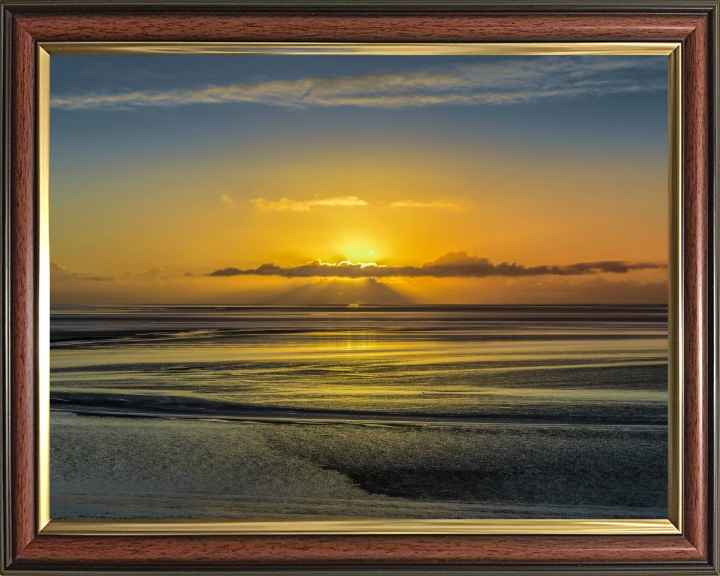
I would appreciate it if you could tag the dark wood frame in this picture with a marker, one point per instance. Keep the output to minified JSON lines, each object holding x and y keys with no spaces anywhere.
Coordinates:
{"x":694,"y":23}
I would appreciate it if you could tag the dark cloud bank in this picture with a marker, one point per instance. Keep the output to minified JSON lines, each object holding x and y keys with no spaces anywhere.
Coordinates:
{"x":451,"y":265}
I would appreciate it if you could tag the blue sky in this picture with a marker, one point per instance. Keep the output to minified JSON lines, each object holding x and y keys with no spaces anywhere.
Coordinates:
{"x":625,"y":120}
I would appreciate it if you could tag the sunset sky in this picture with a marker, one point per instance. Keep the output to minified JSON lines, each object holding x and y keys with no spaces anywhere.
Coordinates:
{"x":251,"y":179}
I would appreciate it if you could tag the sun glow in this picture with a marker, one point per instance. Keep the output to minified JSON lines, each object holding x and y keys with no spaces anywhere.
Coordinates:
{"x":348,"y":263}
{"x":357,"y":250}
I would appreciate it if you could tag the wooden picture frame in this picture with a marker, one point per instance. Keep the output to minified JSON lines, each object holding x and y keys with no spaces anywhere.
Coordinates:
{"x":28,"y":547}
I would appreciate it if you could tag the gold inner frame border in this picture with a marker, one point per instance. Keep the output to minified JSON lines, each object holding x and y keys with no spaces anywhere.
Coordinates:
{"x":671,"y":525}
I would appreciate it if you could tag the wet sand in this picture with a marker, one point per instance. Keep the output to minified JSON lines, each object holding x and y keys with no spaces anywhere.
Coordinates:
{"x":402,"y":412}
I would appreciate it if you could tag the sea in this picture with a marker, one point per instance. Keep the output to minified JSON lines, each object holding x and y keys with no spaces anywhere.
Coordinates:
{"x":358,"y":412}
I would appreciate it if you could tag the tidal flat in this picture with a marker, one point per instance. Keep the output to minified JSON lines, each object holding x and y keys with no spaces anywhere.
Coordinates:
{"x":359,"y":412}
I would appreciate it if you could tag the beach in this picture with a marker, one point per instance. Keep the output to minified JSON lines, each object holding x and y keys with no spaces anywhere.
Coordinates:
{"x":359,"y":412}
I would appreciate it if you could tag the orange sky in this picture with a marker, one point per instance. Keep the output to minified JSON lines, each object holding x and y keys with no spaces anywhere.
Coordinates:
{"x":148,"y":228}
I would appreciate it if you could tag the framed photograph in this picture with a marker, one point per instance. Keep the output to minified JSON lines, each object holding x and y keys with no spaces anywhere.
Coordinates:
{"x":359,"y":288}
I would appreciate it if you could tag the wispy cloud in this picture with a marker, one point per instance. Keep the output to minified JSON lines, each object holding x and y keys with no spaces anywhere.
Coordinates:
{"x":451,"y":265}
{"x":305,"y":205}
{"x":506,"y":81}
{"x":446,"y":204}
{"x":228,"y":201}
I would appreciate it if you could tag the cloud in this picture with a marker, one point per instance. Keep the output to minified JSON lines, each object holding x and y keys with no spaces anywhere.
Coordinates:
{"x":451,"y":265}
{"x":150,"y":275}
{"x":498,"y":82}
{"x":286,"y":204}
{"x":446,"y":204}
{"x":61,"y":274}
{"x":305,"y":205}
{"x":229,"y":201}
